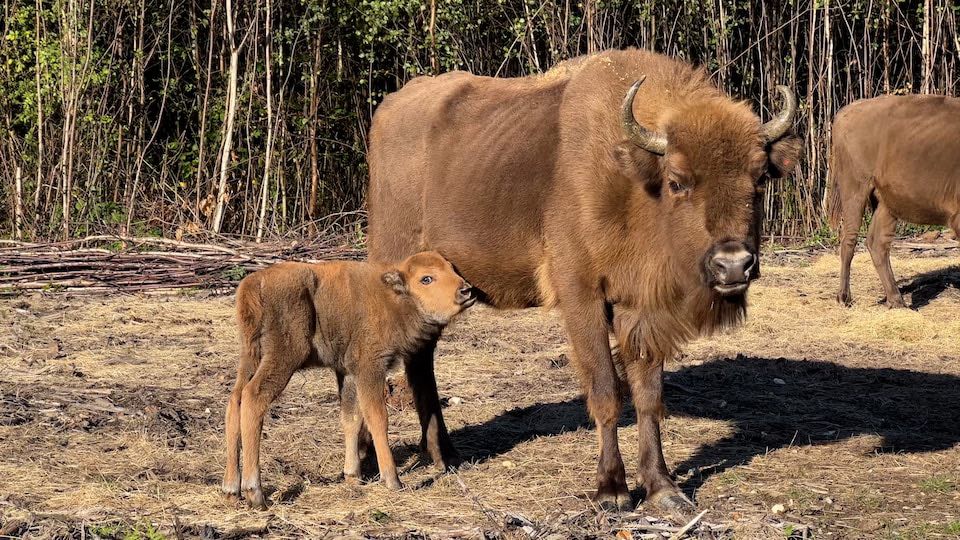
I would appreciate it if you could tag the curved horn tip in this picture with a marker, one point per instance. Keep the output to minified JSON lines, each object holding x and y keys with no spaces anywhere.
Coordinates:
{"x":783,"y":121}
{"x":650,"y":141}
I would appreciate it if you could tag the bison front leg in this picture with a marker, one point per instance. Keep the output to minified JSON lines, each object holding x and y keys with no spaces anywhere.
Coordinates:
{"x":586,"y":325}
{"x":644,"y":371}
{"x":646,"y":384}
{"x":435,"y":440}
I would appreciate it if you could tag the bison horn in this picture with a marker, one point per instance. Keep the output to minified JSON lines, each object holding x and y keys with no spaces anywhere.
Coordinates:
{"x":778,"y":127}
{"x":639,"y":135}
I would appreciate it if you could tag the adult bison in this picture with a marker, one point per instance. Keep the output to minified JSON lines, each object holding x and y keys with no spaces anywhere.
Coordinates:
{"x":633,"y":209}
{"x":902,"y":154}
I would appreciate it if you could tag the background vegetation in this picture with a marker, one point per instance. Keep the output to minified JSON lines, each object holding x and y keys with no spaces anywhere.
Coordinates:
{"x":178,"y":116}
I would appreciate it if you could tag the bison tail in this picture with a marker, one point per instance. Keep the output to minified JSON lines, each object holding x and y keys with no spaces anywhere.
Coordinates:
{"x":249,"y":319}
{"x":834,"y":203}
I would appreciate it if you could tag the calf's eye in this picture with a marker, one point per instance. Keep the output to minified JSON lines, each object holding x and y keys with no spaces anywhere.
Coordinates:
{"x":675,"y":187}
{"x":426,"y":280}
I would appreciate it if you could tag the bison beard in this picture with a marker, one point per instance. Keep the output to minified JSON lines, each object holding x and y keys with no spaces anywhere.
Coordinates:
{"x":631,"y":209}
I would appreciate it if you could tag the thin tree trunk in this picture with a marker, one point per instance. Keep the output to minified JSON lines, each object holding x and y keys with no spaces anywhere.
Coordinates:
{"x":39,"y":89}
{"x":434,"y":69}
{"x":231,"y":105}
{"x":268,"y":158}
{"x":200,"y":183}
{"x":926,"y":50}
{"x":314,"y":121}
{"x":17,"y":205}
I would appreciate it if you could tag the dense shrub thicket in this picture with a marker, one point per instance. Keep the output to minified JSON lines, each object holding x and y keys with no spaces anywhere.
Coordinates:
{"x":149,"y":116}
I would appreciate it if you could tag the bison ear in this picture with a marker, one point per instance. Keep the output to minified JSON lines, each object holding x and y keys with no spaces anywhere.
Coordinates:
{"x":639,"y":165}
{"x":784,"y":155}
{"x":395,"y":280}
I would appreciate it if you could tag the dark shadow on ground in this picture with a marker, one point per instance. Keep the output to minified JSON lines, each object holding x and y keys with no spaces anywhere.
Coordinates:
{"x":927,"y":286}
{"x":820,"y":403}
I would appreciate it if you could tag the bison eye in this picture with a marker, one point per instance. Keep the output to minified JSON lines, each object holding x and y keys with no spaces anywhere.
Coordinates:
{"x":676,"y":188}
{"x":426,"y":280}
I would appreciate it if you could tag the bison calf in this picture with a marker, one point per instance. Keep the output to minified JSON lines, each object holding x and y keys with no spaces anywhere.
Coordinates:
{"x":358,"y":319}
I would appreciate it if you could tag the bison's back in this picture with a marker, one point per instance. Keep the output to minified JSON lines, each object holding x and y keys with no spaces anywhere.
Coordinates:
{"x":908,"y":148}
{"x":463,"y":165}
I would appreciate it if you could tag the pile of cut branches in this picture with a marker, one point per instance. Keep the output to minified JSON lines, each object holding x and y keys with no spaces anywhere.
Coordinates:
{"x":98,"y":264}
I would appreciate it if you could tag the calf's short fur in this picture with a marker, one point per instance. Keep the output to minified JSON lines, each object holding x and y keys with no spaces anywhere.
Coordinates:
{"x":358,"y":319}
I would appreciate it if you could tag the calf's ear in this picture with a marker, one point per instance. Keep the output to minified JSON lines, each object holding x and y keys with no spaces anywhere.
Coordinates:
{"x":783,"y":156}
{"x":396,"y":281}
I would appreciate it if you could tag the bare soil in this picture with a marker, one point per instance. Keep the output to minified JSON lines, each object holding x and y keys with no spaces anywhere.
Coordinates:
{"x":812,"y":420}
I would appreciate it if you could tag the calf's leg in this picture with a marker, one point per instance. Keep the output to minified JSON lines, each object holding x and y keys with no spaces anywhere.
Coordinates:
{"x":373,"y":406}
{"x":267,"y":383}
{"x":231,"y":477}
{"x":352,"y":421}
{"x":434,"y":440}
{"x":249,"y":358}
{"x":879,"y":238}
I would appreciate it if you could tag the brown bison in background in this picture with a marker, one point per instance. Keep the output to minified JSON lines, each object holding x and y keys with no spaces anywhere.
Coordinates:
{"x":902,"y":154}
{"x":632,"y":209}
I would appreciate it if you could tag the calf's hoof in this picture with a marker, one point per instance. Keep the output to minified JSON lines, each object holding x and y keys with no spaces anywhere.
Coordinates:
{"x":674,"y":503}
{"x":614,"y":501}
{"x":230,"y":492}
{"x":845,"y":299}
{"x":256,"y":499}
{"x":393,"y":483}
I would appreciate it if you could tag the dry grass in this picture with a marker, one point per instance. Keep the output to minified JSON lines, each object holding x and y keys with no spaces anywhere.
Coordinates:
{"x":111,"y":417}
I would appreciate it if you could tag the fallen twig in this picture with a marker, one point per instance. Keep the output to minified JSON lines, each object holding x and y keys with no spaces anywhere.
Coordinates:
{"x":691,"y":524}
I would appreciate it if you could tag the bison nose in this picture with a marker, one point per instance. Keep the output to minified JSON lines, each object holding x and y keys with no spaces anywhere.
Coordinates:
{"x":732,"y":268}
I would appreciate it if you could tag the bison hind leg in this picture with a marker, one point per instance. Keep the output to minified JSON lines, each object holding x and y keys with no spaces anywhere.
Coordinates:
{"x":880,"y":236}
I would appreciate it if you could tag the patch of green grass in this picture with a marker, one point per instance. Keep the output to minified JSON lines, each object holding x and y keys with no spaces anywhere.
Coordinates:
{"x":118,"y":531}
{"x":869,"y":501}
{"x":912,"y":229}
{"x":914,"y":532}
{"x":800,"y":499}
{"x":359,"y":239}
{"x":104,"y":531}
{"x":378,"y":516}
{"x":729,"y":478}
{"x":144,"y":230}
{"x":235,"y":273}
{"x":824,"y":236}
{"x":936,"y":484}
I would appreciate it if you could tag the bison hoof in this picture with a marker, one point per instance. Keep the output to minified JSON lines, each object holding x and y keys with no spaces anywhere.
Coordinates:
{"x":447,"y":460}
{"x":614,"y":502}
{"x":896,"y":303}
{"x":674,"y":503}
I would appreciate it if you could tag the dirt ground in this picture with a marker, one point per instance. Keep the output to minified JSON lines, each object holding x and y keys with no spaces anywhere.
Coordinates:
{"x":811,"y":421}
